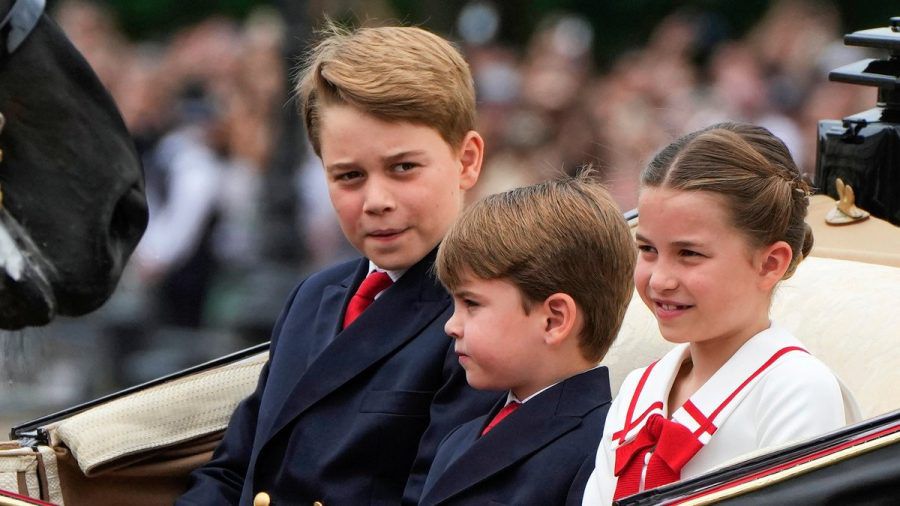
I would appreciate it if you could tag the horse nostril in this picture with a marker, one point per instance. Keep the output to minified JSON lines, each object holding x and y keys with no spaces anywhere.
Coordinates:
{"x":128,"y":221}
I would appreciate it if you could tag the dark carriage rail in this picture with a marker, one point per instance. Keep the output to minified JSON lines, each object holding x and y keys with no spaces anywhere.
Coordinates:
{"x":875,"y":427}
{"x":31,"y":430}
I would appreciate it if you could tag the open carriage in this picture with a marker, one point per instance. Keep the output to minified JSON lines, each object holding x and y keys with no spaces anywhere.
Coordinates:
{"x":138,"y":446}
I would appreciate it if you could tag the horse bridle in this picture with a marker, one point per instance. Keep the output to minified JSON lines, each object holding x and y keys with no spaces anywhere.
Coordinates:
{"x":18,"y":23}
{"x":21,"y":19}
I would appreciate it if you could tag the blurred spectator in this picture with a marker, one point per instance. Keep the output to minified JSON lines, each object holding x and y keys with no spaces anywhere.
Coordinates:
{"x":183,"y":175}
{"x":92,"y":29}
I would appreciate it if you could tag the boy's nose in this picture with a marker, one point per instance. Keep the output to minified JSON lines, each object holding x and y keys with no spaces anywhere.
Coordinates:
{"x":379,"y":199}
{"x":452,"y":328}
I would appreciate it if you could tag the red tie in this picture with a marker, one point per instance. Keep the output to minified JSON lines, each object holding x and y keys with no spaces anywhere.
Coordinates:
{"x":503,"y":413}
{"x":374,"y":283}
{"x":670,"y":445}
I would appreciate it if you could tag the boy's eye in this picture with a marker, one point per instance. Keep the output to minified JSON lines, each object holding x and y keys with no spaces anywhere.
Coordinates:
{"x":645,"y":248}
{"x":469,"y":303}
{"x":404,"y":166}
{"x":348,"y":176}
{"x":690,"y":253}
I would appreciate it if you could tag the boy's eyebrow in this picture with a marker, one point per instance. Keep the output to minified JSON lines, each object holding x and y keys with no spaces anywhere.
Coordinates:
{"x":340,"y":166}
{"x":402,"y":154}
{"x":393,"y":158}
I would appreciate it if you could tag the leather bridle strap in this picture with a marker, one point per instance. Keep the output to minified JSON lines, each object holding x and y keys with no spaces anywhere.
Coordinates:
{"x":21,"y":19}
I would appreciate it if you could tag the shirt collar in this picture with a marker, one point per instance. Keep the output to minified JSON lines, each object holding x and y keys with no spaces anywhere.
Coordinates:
{"x":510,"y":397}
{"x":394,"y":275}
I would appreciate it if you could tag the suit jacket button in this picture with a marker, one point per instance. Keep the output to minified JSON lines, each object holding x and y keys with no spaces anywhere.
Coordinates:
{"x":261,"y":499}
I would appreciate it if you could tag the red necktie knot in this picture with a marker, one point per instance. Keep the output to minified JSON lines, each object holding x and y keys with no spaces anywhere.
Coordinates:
{"x":503,"y":413}
{"x":375,"y":283}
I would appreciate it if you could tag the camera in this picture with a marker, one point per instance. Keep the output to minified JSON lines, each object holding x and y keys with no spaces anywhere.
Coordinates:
{"x":863,"y":150}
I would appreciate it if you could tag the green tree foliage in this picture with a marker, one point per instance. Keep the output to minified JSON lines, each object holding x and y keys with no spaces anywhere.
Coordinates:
{"x":141,"y":19}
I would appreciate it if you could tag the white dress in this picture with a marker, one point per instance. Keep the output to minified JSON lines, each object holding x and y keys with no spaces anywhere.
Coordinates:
{"x":769,"y":393}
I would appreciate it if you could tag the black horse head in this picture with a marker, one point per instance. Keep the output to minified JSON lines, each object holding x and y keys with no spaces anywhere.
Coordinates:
{"x":72,"y":204}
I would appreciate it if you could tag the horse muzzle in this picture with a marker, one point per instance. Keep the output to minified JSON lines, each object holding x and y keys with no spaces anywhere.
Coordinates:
{"x":26,"y":294}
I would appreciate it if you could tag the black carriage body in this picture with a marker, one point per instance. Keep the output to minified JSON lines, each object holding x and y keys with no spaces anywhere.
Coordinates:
{"x":859,"y":464}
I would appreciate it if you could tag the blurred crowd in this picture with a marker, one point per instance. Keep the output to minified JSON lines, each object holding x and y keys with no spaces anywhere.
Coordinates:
{"x":546,"y":107}
{"x":207,"y":105}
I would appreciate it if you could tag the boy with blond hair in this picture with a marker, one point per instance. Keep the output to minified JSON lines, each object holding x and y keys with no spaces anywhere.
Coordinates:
{"x":361,"y":382}
{"x":540,"y":278}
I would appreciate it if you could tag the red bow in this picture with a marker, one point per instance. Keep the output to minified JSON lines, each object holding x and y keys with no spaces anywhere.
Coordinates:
{"x":670,"y":446}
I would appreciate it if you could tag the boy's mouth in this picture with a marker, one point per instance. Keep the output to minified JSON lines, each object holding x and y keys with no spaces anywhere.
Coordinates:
{"x":386,"y":234}
{"x":670,"y":309}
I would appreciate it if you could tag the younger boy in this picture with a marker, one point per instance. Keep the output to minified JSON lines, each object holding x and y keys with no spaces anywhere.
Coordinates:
{"x":361,"y":382}
{"x":540,"y":277}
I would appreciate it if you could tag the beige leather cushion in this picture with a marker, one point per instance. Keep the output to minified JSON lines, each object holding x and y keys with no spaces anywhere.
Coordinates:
{"x":150,"y":478}
{"x":29,"y":472}
{"x":161,"y":416}
{"x":846,"y":313}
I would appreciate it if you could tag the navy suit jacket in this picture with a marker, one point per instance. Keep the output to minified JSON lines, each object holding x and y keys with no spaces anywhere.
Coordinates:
{"x":349,"y":416}
{"x":541,"y":454}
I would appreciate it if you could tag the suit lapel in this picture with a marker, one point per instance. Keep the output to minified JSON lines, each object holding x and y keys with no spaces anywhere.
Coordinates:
{"x":328,"y":319}
{"x":535,"y":425}
{"x":395,"y":318}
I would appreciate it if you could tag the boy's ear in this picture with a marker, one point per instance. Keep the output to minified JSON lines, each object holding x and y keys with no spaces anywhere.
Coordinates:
{"x":774,"y":262}
{"x":561,"y":317}
{"x":471,"y":154}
